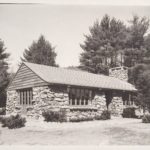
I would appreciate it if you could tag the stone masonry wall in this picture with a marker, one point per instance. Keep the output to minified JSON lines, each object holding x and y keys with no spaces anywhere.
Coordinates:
{"x":116,"y":106}
{"x":81,"y":113}
{"x":53,"y":98}
{"x":12,"y":102}
{"x":119,"y":72}
{"x":100,"y":102}
{"x":43,"y":98}
{"x":96,"y":107}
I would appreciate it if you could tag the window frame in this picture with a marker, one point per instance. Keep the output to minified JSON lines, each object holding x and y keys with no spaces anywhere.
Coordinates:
{"x":80,"y":96}
{"x":25,"y":96}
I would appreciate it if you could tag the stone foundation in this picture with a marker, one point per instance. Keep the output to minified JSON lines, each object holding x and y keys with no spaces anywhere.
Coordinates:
{"x":81,"y":113}
{"x":97,"y":106}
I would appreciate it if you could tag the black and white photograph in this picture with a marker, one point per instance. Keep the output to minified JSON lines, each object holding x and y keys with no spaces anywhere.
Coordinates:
{"x":74,"y":73}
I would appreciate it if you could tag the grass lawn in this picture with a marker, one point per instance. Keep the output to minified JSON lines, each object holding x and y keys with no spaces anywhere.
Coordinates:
{"x":117,"y":131}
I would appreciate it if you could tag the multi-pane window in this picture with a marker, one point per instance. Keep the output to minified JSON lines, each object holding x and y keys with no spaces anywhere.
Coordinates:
{"x":79,"y":96}
{"x":25,"y":96}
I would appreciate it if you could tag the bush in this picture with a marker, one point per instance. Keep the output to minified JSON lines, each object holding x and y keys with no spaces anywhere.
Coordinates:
{"x":104,"y":116}
{"x":2,"y":111}
{"x":13,"y":122}
{"x":146,"y":119}
{"x":1,"y":119}
{"x":54,"y":116}
{"x":129,"y":113}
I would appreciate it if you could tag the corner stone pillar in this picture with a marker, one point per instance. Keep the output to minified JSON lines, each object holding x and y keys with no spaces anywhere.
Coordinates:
{"x":100,"y":102}
{"x":116,"y":106}
{"x":12,"y":102}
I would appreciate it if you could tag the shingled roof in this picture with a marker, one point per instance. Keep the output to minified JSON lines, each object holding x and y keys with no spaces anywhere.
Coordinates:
{"x":63,"y":76}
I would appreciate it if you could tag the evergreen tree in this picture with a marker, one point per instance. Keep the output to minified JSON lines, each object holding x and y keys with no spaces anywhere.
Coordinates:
{"x":101,"y":47}
{"x":137,"y":56}
{"x":136,"y":51}
{"x":139,"y":75}
{"x":134,"y":56}
{"x":147,"y":46}
{"x":147,"y":43}
{"x":4,"y":77}
{"x":40,"y":52}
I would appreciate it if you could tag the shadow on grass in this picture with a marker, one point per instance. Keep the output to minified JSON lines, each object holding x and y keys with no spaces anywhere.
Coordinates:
{"x":122,"y":136}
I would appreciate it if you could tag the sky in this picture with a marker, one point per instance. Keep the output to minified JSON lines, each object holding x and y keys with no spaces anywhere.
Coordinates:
{"x":63,"y":26}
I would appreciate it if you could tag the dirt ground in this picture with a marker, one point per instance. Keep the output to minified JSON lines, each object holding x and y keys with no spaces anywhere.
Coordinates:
{"x":117,"y":131}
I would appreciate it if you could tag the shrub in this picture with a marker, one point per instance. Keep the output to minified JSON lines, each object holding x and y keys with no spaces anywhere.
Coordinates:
{"x":2,"y":111}
{"x":1,"y":119}
{"x":104,"y":116}
{"x":62,"y":115}
{"x":54,"y":116}
{"x":146,"y":118}
{"x":14,"y":121}
{"x":129,"y":112}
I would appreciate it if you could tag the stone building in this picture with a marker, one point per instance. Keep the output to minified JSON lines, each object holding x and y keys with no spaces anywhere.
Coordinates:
{"x":36,"y":88}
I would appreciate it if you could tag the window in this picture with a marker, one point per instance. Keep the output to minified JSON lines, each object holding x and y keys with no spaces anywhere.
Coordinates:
{"x":79,"y":96}
{"x":25,"y":96}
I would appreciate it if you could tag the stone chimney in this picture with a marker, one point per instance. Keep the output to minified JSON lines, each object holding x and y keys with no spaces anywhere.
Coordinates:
{"x":119,"y":72}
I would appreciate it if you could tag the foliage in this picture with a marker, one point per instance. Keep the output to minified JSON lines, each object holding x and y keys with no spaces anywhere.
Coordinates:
{"x":111,"y":43}
{"x":147,"y":43}
{"x":147,"y":46}
{"x":129,"y":112}
{"x":1,"y":119}
{"x":54,"y":116}
{"x":77,"y":68}
{"x":135,"y":51}
{"x":4,"y":77}
{"x":14,"y":121}
{"x":104,"y":116}
{"x":146,"y":118}
{"x":138,"y":28}
{"x":40,"y":52}
{"x":133,"y":56}
{"x":100,"y":48}
{"x":2,"y":111}
{"x":140,"y":77}
{"x":136,"y":72}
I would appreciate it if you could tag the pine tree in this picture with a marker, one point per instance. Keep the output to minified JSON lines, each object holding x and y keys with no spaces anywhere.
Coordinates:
{"x":40,"y":52}
{"x":101,"y":47}
{"x":135,"y":51}
{"x":4,"y":77}
{"x":147,"y":47}
{"x":139,"y":75}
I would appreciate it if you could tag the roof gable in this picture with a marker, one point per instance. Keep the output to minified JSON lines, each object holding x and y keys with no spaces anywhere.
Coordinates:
{"x":25,"y":78}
